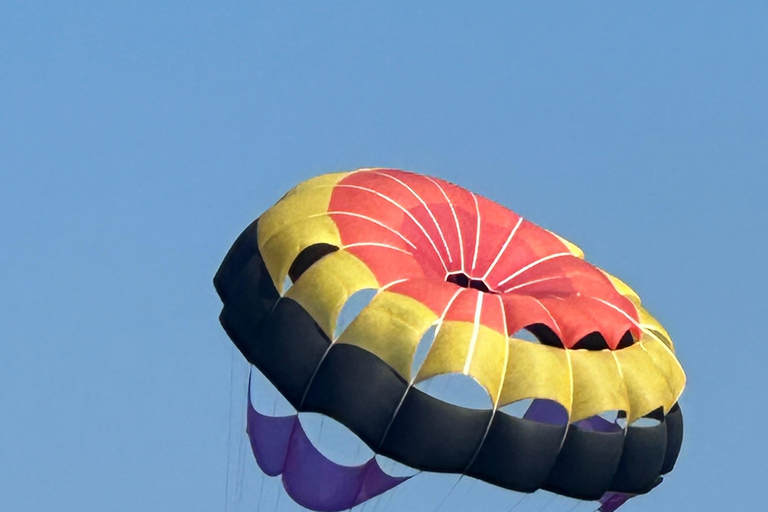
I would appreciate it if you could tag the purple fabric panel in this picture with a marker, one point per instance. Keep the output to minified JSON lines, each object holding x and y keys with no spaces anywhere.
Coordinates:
{"x":597,"y":424}
{"x":546,"y":411}
{"x":280,"y":446}
{"x":376,"y":481}
{"x":270,"y":438}
{"x":613,"y":500}
{"x":317,"y":483}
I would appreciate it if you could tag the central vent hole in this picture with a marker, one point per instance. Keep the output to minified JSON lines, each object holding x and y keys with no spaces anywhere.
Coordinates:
{"x":463,"y":280}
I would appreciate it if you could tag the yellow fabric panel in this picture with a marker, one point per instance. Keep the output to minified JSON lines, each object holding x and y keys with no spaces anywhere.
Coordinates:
{"x":452,"y":346}
{"x":391,"y":327}
{"x":280,"y":250}
{"x":488,"y":362}
{"x":536,"y":371}
{"x":448,"y":353}
{"x":647,"y":388}
{"x":325,"y":287}
{"x":653,"y":328}
{"x":623,"y":288}
{"x":668,"y":366}
{"x":597,"y":384}
{"x":572,"y":248}
{"x":293,"y":224}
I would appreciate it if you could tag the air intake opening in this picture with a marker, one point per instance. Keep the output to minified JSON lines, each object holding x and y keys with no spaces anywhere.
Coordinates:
{"x":463,"y":280}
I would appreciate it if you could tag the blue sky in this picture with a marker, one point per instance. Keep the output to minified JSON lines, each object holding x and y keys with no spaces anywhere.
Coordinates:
{"x":138,"y":139}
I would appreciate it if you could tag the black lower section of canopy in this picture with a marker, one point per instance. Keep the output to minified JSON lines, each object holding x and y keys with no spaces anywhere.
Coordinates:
{"x":362,"y":392}
{"x":518,"y":454}
{"x":358,"y":389}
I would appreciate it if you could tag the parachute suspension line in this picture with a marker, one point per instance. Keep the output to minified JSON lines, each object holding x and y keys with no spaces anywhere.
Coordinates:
{"x":262,"y":477}
{"x":575,"y":506}
{"x":383,"y":500}
{"x":449,"y":493}
{"x":229,"y":426}
{"x":548,"y":503}
{"x":277,"y":500}
{"x":518,"y":502}
{"x":240,"y":466}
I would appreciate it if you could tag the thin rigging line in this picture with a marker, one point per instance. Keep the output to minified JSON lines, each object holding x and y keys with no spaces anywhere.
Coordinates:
{"x":449,"y":493}
{"x":548,"y":503}
{"x":229,"y":430}
{"x":518,"y":502}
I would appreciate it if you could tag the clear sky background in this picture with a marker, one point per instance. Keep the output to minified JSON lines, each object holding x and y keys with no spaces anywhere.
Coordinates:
{"x":137,"y":139}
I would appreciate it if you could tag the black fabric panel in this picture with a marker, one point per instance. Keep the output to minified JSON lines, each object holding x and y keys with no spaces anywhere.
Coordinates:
{"x":358,"y":389}
{"x":433,"y":435}
{"x":586,"y":464}
{"x":518,"y":454}
{"x":287,"y":347}
{"x":244,"y":248}
{"x":674,"y":422}
{"x":245,"y":287}
{"x":641,"y":460}
{"x":250,"y":299}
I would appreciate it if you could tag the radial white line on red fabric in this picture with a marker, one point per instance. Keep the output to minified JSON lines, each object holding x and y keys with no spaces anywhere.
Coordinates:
{"x":455,"y":219}
{"x":531,"y":265}
{"x":424,"y":204}
{"x":617,"y":308}
{"x":410,"y":216}
{"x":535,"y":281}
{"x":503,"y":248}
{"x":370,"y":219}
{"x":376,"y":244}
{"x":477,"y":231}
{"x":557,"y":326}
{"x":475,"y":332}
{"x":393,"y":283}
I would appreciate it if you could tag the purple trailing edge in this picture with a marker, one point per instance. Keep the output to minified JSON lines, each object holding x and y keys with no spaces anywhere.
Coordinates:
{"x":281,"y":447}
{"x":613,"y":500}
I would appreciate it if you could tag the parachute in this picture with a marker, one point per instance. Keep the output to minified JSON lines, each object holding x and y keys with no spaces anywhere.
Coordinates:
{"x":581,"y":383}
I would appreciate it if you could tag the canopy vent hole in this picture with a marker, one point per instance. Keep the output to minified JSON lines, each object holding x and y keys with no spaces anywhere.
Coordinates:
{"x":265,"y":397}
{"x":334,"y":440}
{"x":545,"y":335}
{"x":308,"y":257}
{"x":457,"y":389}
{"x":394,"y":468}
{"x":606,"y":421}
{"x":537,"y":409}
{"x":425,"y":343}
{"x":463,"y":280}
{"x":356,"y":303}
{"x":525,"y":335}
{"x":652,"y":419}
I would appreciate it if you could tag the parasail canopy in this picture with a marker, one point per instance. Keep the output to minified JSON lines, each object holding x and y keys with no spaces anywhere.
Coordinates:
{"x":453,"y":280}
